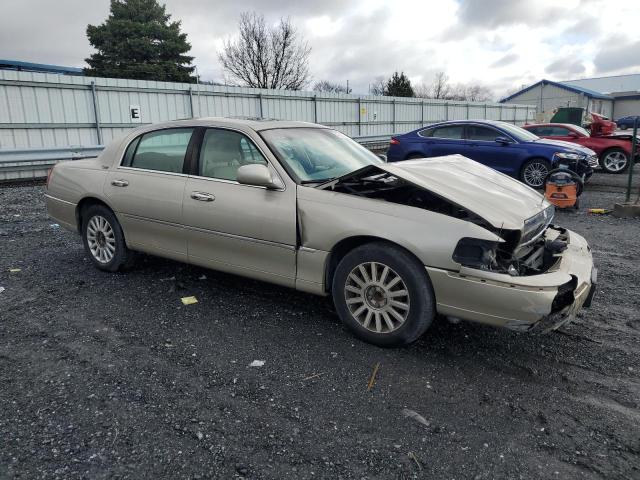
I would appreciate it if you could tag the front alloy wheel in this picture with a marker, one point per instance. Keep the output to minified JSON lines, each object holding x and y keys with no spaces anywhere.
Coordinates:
{"x":383,"y":294}
{"x":614,"y":161}
{"x":377,"y":297}
{"x":535,"y":173}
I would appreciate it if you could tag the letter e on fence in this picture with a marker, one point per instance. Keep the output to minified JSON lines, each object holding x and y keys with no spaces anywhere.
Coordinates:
{"x":134,"y":114}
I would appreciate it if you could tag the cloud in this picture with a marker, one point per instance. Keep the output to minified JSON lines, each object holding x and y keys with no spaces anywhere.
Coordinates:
{"x":497,"y":13}
{"x":500,"y":43}
{"x":619,"y":54}
{"x":565,"y":67}
{"x":508,"y":59}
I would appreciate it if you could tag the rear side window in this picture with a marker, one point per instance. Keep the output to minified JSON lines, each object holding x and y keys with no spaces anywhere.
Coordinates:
{"x":535,"y":130}
{"x":452,"y":132}
{"x":163,"y":150}
{"x":557,"y":132}
{"x":224,"y":151}
{"x":485,"y":134}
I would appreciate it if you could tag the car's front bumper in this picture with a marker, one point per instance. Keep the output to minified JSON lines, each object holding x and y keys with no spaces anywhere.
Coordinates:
{"x":520,"y":302}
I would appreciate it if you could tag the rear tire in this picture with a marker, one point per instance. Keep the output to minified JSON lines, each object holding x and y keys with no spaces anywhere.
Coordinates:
{"x":103,"y":239}
{"x":534,"y":172}
{"x":383,"y":295}
{"x":614,"y":160}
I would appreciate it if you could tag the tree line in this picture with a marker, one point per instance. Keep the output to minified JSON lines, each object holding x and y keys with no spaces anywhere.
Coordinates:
{"x":139,"y":40}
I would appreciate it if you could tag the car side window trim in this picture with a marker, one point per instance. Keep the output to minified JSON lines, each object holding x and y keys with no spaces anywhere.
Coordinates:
{"x":498,"y":133}
{"x":194,"y":171}
{"x":434,"y":128}
{"x":138,"y":140}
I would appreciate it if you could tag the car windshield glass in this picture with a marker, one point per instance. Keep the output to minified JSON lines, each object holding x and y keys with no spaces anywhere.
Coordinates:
{"x":317,"y":154}
{"x":518,"y":133}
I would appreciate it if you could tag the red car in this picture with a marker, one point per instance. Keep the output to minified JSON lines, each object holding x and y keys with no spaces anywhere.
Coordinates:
{"x":614,"y":151}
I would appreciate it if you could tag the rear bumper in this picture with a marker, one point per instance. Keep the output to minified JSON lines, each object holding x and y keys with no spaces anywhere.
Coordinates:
{"x":520,"y":303}
{"x":62,"y":211}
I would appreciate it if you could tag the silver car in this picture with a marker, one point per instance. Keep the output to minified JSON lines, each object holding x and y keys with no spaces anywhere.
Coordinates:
{"x":304,"y":206}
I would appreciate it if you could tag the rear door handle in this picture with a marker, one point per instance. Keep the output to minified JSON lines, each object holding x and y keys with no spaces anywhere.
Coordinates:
{"x":202,"y":197}
{"x":119,"y":183}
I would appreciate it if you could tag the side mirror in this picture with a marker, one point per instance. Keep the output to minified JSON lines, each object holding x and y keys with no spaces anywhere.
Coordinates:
{"x":503,"y":140}
{"x":257,"y":175}
{"x":382,"y":157}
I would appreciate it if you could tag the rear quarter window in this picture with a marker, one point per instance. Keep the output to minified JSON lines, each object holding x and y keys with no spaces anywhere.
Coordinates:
{"x":162,"y":150}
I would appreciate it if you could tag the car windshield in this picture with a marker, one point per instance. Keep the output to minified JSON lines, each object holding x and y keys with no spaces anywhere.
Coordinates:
{"x":518,"y":133}
{"x":313,"y":155}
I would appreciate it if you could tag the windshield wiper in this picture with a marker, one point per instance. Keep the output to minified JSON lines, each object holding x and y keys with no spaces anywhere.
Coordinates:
{"x":320,"y":180}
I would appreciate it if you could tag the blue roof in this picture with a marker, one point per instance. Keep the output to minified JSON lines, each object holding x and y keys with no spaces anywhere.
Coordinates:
{"x":38,"y":67}
{"x":571,"y":88}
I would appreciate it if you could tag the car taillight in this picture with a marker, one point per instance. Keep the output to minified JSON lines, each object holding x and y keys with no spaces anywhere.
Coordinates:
{"x":394,"y":141}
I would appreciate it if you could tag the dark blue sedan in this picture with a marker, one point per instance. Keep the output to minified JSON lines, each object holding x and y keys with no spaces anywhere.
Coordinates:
{"x":505,"y":147}
{"x":627,"y":122}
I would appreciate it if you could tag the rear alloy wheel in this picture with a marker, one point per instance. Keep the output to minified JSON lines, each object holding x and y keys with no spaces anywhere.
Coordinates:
{"x":534,"y":172}
{"x":104,"y":240}
{"x":614,"y":160}
{"x":383,"y":295}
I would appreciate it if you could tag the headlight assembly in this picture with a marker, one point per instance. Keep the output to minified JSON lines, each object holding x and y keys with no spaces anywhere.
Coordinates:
{"x":569,"y":156}
{"x":475,"y":253}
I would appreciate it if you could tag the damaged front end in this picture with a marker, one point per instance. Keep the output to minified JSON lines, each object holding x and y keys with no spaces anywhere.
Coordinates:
{"x":536,"y":276}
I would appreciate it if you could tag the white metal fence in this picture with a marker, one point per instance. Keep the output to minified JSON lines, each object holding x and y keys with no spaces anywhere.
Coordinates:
{"x":40,"y":110}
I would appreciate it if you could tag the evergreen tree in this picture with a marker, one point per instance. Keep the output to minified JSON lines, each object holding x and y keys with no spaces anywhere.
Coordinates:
{"x":138,"y":41}
{"x":399,"y":86}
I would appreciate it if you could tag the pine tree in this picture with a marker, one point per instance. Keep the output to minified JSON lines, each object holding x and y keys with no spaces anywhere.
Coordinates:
{"x":399,"y":86}
{"x":138,"y":41}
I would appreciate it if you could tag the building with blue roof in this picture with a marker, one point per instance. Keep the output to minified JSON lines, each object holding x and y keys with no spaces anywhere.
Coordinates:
{"x":613,"y":97}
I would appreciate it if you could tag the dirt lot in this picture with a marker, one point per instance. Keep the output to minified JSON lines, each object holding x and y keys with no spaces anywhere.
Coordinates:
{"x":110,"y":376}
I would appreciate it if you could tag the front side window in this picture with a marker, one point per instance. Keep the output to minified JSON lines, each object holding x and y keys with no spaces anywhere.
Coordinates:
{"x":313,"y":155}
{"x":162,"y":150}
{"x":224,"y":151}
{"x":453,"y":132}
{"x":484,"y":134}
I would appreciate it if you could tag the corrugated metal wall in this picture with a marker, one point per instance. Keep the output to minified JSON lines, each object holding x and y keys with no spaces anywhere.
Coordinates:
{"x":49,"y":110}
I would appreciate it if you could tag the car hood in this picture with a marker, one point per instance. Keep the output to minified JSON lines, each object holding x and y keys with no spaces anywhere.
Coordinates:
{"x":501,"y":200}
{"x":565,"y":145}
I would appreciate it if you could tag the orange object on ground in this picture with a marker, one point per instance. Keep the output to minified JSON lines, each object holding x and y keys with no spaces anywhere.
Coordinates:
{"x":561,"y":189}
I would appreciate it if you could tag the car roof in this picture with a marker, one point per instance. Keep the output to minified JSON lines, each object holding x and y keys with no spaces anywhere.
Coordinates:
{"x":243,"y":123}
{"x":491,"y":123}
{"x":568,"y":125}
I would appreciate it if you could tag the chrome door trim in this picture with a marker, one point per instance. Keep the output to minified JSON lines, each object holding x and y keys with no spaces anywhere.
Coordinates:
{"x":213,"y":232}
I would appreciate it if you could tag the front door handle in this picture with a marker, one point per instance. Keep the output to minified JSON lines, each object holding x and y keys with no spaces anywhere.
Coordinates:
{"x":202,"y":197}
{"x":119,"y":183}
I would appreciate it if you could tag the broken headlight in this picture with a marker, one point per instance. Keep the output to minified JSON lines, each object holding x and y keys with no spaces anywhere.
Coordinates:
{"x":536,"y":225}
{"x":475,"y":253}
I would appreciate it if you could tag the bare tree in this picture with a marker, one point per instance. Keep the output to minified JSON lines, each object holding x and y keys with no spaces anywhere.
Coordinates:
{"x":327,"y":86}
{"x":478,"y":93}
{"x":378,"y":86}
{"x":266,"y":57}
{"x":440,"y":87}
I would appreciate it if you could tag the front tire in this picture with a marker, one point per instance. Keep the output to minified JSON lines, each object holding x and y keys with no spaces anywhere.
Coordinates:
{"x":383,"y":295}
{"x":534,"y":172}
{"x":614,"y":160}
{"x":103,"y":239}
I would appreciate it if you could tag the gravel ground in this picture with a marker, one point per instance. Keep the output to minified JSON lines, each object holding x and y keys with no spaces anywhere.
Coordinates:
{"x":110,"y":376}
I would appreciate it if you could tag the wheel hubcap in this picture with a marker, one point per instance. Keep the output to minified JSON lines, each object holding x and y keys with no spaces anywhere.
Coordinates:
{"x":535,"y":174}
{"x":377,"y":297}
{"x":101,"y":239}
{"x":615,"y":161}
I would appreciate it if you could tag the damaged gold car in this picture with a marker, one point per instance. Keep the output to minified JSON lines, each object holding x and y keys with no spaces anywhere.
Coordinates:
{"x":304,"y":206}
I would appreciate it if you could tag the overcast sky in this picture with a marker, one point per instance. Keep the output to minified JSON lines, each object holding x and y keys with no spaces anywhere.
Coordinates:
{"x":503,"y":44}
